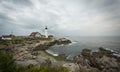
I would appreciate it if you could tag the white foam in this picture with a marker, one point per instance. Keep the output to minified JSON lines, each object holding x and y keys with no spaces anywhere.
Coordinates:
{"x":70,"y":57}
{"x":52,"y":53}
{"x":114,"y":52}
{"x":118,"y":55}
{"x":73,"y":42}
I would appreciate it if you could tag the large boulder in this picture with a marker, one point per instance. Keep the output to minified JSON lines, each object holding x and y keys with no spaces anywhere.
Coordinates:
{"x":63,"y":41}
{"x":109,"y":64}
{"x":105,"y":52}
{"x":84,"y":58}
{"x":86,"y":53}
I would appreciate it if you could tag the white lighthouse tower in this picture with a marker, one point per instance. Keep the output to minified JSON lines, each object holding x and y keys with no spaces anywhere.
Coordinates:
{"x":46,"y":32}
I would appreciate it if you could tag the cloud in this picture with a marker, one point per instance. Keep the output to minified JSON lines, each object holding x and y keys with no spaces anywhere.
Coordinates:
{"x":63,"y":17}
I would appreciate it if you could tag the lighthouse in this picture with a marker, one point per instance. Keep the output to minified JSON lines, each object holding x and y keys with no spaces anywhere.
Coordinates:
{"x":46,"y":33}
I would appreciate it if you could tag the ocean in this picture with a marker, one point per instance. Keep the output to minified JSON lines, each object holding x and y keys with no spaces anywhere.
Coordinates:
{"x":79,"y":43}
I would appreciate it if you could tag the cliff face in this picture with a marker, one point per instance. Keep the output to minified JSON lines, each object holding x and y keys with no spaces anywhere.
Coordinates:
{"x":103,"y":60}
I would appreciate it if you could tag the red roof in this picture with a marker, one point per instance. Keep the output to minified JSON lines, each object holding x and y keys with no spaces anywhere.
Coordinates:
{"x":50,"y":36}
{"x":6,"y":36}
{"x":34,"y":33}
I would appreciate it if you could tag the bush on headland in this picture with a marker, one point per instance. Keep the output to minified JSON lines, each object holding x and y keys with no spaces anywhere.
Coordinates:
{"x":7,"y":65}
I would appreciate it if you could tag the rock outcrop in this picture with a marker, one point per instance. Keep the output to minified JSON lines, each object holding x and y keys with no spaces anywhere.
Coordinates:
{"x":63,"y":41}
{"x":43,"y":45}
{"x":103,"y":60}
{"x":72,"y":67}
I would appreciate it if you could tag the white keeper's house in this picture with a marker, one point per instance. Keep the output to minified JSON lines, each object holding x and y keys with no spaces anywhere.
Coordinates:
{"x":35,"y":34}
{"x":6,"y":37}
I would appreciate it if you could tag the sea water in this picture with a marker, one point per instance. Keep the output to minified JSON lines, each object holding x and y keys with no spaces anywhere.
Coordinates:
{"x":93,"y":43}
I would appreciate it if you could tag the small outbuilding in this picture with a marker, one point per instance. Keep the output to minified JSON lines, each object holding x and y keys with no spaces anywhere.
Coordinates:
{"x":6,"y":37}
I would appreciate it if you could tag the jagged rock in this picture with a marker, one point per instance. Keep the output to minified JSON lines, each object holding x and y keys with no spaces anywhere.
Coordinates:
{"x":84,"y":58}
{"x":103,"y":51}
{"x":51,"y":43}
{"x":86,"y":53}
{"x":109,"y":64}
{"x":41,"y":47}
{"x":63,"y":41}
{"x":35,"y":53}
{"x":80,"y":60}
{"x":71,"y":67}
{"x":102,"y":60}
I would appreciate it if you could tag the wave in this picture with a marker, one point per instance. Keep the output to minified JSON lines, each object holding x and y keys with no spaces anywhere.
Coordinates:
{"x":73,"y":42}
{"x":114,"y":52}
{"x":52,"y":52}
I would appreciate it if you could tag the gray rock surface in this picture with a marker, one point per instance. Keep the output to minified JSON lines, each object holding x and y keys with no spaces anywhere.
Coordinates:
{"x":103,"y":60}
{"x":63,"y":41}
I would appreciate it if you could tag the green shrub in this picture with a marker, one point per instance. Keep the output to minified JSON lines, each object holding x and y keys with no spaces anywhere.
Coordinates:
{"x":6,"y":62}
{"x":7,"y":65}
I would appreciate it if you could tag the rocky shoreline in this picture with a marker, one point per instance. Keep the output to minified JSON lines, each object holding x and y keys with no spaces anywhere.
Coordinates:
{"x":32,"y":52}
{"x":103,"y":60}
{"x":35,"y":53}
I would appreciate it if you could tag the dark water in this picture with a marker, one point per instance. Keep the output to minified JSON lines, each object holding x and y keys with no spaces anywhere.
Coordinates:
{"x":93,"y":43}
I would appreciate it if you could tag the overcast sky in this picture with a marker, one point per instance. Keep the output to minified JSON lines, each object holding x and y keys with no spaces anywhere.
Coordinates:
{"x":63,"y":17}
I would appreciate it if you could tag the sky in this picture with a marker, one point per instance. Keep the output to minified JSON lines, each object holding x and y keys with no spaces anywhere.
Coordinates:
{"x":62,"y":17}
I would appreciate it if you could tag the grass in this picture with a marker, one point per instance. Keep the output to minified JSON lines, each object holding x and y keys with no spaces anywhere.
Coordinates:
{"x":7,"y":65}
{"x":40,"y":68}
